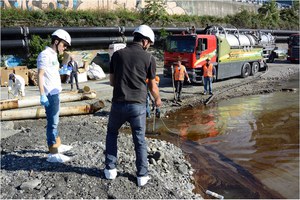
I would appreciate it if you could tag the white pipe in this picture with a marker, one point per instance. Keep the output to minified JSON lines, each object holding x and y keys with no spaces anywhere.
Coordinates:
{"x":35,"y":100}
{"x":39,"y":112}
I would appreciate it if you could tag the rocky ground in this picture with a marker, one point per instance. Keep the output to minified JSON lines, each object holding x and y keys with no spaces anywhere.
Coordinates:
{"x":25,"y":173}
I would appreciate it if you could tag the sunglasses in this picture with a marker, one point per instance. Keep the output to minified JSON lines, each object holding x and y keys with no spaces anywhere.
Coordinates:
{"x":65,"y":44}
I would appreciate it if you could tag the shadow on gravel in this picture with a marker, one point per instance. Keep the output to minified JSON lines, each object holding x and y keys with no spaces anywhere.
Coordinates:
{"x":36,"y":163}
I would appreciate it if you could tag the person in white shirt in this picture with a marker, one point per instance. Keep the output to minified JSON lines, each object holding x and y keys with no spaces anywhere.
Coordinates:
{"x":49,"y":83}
{"x":16,"y":85}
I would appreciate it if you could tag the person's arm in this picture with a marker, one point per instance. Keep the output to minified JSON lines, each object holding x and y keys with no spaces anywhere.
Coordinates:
{"x":111,"y":80}
{"x":187,"y":75}
{"x":43,"y":99}
{"x":77,"y":68}
{"x":41,"y":81}
{"x":153,"y":88}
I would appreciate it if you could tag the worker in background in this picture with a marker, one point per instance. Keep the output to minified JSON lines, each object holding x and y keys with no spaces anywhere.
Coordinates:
{"x":16,"y":85}
{"x":129,"y":69}
{"x":49,"y":84}
{"x":208,"y":74}
{"x":179,"y":74}
{"x":149,"y":98}
{"x":74,"y":72}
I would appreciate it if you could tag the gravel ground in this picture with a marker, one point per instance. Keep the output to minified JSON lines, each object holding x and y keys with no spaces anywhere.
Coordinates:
{"x":26,"y":173}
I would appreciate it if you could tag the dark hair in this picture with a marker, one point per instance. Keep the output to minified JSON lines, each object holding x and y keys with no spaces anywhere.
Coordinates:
{"x":137,"y":37}
{"x":53,"y":38}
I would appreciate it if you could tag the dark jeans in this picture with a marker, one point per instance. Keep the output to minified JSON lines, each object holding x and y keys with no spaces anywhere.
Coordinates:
{"x":135,"y":114}
{"x":72,"y":76}
{"x":208,"y":82}
{"x":178,"y":88}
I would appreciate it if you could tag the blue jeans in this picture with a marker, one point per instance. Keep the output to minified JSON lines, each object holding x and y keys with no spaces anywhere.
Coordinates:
{"x":135,"y":114}
{"x":52,"y":114}
{"x":208,"y":82}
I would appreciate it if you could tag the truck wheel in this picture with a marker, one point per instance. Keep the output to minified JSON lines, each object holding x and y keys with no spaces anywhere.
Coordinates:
{"x":254,"y":68}
{"x":246,"y":69}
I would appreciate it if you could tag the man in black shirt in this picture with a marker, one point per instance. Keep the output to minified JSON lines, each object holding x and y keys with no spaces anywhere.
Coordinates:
{"x":129,"y":69}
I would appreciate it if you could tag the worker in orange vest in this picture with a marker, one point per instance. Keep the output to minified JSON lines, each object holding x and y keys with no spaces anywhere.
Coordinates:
{"x":208,"y":74}
{"x":179,"y":74}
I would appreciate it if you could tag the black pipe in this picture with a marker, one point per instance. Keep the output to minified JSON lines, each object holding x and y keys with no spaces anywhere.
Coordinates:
{"x":50,"y":30}
{"x":100,"y":40}
{"x":281,"y":39}
{"x":14,"y":32}
{"x":8,"y":44}
{"x":118,"y":29}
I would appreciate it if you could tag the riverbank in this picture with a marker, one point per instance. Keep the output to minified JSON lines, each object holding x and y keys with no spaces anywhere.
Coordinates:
{"x":26,"y":174}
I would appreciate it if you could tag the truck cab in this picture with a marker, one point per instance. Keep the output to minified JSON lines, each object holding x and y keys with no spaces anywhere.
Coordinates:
{"x":193,"y":49}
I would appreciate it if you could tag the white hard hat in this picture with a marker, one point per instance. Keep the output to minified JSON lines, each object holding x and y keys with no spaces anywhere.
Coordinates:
{"x":145,"y":31}
{"x":62,"y":34}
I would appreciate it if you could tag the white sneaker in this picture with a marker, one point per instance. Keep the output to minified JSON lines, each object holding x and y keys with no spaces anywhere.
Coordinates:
{"x":110,"y":173}
{"x":63,"y":148}
{"x":141,"y":181}
{"x":60,"y":158}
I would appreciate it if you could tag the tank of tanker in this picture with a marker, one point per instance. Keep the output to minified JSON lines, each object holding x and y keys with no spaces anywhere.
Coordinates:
{"x":240,"y":40}
{"x":267,"y":38}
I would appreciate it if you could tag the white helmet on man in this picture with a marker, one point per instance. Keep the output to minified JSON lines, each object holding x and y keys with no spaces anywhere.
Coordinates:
{"x":62,"y":34}
{"x":145,"y":31}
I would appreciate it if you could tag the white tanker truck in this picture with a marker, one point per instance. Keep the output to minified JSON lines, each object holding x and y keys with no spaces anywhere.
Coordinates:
{"x":232,"y":53}
{"x":252,"y":38}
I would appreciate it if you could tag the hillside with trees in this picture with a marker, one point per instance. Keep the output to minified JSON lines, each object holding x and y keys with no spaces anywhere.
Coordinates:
{"x":154,"y":13}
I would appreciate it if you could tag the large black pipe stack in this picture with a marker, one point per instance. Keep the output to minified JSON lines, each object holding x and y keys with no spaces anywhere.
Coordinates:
{"x":16,"y":40}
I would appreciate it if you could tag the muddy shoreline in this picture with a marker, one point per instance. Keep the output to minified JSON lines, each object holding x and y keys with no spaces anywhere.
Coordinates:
{"x":26,"y":174}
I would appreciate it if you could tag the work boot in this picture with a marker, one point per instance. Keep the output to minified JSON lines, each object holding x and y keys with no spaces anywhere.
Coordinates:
{"x":141,"y":181}
{"x":53,"y":149}
{"x":179,"y":100}
{"x":58,"y":158}
{"x":110,"y":173}
{"x":63,"y":148}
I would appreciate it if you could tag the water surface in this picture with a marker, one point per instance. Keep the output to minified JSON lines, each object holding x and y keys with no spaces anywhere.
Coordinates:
{"x":246,"y":147}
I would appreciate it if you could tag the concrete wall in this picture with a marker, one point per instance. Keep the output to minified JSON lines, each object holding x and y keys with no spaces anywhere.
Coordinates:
{"x":213,"y":8}
{"x":191,"y":7}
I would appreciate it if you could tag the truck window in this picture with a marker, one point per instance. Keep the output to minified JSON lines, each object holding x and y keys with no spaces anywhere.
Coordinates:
{"x":184,"y":44}
{"x":202,"y":44}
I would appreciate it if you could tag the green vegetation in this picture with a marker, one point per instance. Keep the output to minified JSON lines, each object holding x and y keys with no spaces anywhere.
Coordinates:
{"x":36,"y":45}
{"x":268,"y":17}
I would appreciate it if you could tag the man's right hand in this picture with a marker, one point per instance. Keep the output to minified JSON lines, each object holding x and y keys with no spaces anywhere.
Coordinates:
{"x":158,"y":102}
{"x":44,"y":100}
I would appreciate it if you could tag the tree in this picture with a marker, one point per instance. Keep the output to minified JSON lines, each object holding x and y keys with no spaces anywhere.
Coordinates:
{"x":155,"y":11}
{"x":36,"y":45}
{"x":270,"y":15}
